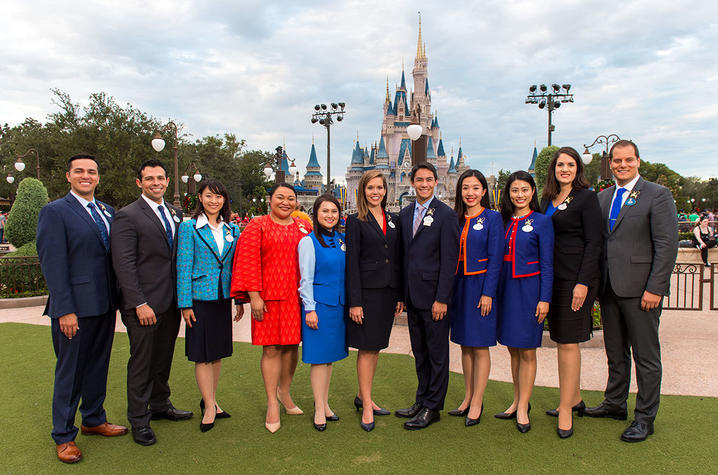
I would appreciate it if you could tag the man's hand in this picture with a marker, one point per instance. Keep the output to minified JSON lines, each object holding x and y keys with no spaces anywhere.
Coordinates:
{"x":438,"y":311}
{"x":485,"y":305}
{"x":356,"y":314}
{"x":649,"y":301}
{"x":399,"y":309}
{"x":188,"y":316}
{"x":312,"y":320}
{"x":69,"y":325}
{"x":146,"y":315}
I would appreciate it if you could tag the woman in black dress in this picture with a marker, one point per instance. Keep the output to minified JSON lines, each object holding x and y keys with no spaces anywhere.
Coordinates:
{"x":576,"y":217}
{"x":373,"y":277}
{"x":703,"y":237}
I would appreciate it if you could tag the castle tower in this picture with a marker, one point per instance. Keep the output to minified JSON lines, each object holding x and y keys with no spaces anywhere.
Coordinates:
{"x":313,"y":177}
{"x":461,"y":165}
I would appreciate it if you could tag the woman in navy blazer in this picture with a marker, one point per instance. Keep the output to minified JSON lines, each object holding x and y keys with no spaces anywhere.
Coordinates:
{"x":472,"y":312}
{"x":206,"y":246}
{"x":525,"y":288}
{"x":576,"y":217}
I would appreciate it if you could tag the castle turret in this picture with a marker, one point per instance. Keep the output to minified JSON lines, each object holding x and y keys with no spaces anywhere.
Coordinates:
{"x":313,"y":177}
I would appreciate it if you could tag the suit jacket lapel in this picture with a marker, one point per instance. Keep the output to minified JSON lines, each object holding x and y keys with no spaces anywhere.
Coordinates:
{"x":625,"y":209}
{"x":227,"y":245}
{"x":207,"y":237}
{"x":376,"y":226}
{"x":155,"y":219}
{"x":426,"y":213}
{"x":571,"y":195}
{"x":84,"y":215}
{"x":605,"y":203}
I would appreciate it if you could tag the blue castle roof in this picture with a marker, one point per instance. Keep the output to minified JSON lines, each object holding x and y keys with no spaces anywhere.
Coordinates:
{"x":403,"y":81}
{"x":533,"y":159}
{"x":440,"y":151}
{"x":382,"y":149}
{"x":357,"y":158}
{"x":285,"y":163}
{"x":373,"y":154}
{"x":400,"y":94}
{"x":313,"y":163}
{"x":426,"y":87}
{"x":405,"y":145}
{"x":430,"y":149}
{"x":452,"y":165}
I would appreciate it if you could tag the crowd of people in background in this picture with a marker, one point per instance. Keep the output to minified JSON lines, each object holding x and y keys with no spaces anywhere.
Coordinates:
{"x":472,"y":275}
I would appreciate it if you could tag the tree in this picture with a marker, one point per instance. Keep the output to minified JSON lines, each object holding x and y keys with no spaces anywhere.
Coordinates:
{"x":21,"y":225}
{"x":541,"y":166}
{"x":592,"y":171}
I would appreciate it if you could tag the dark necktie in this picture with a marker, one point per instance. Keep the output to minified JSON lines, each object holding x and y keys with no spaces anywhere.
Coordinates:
{"x":100,"y":224}
{"x":615,"y":208}
{"x":417,"y":220}
{"x":168,"y":228}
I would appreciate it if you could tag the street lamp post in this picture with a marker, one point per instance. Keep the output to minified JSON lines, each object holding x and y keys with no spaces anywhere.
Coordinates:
{"x":608,"y":140}
{"x":196,"y":178}
{"x":20,"y":166}
{"x":551,"y":100}
{"x":158,"y":144}
{"x":323,"y":115}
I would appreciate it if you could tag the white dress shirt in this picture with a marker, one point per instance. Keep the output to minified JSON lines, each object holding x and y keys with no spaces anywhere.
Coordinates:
{"x":84,"y":203}
{"x":168,"y":214}
{"x":628,"y":187}
{"x":217,"y":232}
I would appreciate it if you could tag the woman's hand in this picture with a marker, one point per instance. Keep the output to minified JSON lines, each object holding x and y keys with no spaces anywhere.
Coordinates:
{"x":541,"y":311}
{"x":485,"y":305}
{"x":312,"y":320}
{"x":579,"y":296}
{"x":240,"y":312}
{"x":356,"y":314}
{"x":399,"y":309}
{"x":188,"y":316}
{"x":257,"y":305}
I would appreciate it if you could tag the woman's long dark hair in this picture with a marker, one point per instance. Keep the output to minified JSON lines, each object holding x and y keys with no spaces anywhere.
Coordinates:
{"x":459,"y":205}
{"x":319,"y":230}
{"x":552,"y":188}
{"x":216,"y":187}
{"x":507,"y":207}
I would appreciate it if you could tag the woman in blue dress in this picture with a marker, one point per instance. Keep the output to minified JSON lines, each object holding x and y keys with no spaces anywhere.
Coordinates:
{"x":321,"y":287}
{"x":472,"y":312}
{"x":525,"y":289}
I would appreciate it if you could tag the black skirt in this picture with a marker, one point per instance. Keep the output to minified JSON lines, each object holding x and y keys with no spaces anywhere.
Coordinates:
{"x":210,"y":337}
{"x":373,"y":334}
{"x":565,"y":325}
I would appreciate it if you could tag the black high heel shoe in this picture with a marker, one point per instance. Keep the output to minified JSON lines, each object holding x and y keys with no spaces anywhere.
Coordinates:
{"x":523,"y":428}
{"x":564,"y":434}
{"x":205,"y":427}
{"x":359,"y":404}
{"x":219,"y":415}
{"x":508,"y":415}
{"x":472,"y":422}
{"x":579,"y":408}
{"x":367,"y":426}
{"x":458,"y":412}
{"x":319,"y":427}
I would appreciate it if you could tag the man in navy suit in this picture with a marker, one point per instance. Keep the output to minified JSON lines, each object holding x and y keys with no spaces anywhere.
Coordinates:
{"x":430,"y":237}
{"x":74,"y":248}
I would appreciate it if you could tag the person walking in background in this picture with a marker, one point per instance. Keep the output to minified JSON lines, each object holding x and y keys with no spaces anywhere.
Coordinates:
{"x":430,"y":253}
{"x":703,"y":237}
{"x":640,"y":239}
{"x":321,"y":265}
{"x":472,"y":312}
{"x":3,"y":220}
{"x":373,"y":276}
{"x":144,"y":256}
{"x":525,"y":288}
{"x":267,"y":274}
{"x":576,"y":218}
{"x":206,"y":246}
{"x":74,"y":249}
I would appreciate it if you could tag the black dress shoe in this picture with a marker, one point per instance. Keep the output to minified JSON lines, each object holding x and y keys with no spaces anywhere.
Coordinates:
{"x":143,"y":435}
{"x":468,"y":422}
{"x":637,"y":432}
{"x":604,"y":410}
{"x":564,"y":434}
{"x":359,"y":404}
{"x":579,"y":408}
{"x":173,"y":414}
{"x":423,"y":419}
{"x":332,"y":418}
{"x":205,"y":427}
{"x":459,"y":412}
{"x":367,"y":426}
{"x":523,"y":428}
{"x":319,"y":427}
{"x":410,"y":412}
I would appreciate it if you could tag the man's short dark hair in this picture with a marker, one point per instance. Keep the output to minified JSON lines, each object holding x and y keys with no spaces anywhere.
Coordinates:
{"x":78,"y":157}
{"x":425,"y":166}
{"x":624,"y":143}
{"x":150,"y":163}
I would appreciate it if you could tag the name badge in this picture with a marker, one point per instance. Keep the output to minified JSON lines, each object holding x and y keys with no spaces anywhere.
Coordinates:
{"x":391,"y":224}
{"x":176,"y":219}
{"x":630,"y":202}
{"x":478,"y":226}
{"x":562,"y":206}
{"x":527,"y":229}
{"x":107,"y":213}
{"x":303,"y":230}
{"x":229,"y":238}
{"x":428,"y":220}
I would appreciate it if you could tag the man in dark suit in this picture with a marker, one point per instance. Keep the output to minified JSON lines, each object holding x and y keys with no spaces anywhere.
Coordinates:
{"x":640,"y":232}
{"x":430,"y":235}
{"x":144,"y":238}
{"x":74,"y":249}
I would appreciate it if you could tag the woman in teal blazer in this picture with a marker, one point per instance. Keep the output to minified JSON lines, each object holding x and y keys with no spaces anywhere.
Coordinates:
{"x":205,"y":253}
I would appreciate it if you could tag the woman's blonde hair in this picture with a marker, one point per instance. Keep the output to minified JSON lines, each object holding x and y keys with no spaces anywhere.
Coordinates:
{"x":362,"y":204}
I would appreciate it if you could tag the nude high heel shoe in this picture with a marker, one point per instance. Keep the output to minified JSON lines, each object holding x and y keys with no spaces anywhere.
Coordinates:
{"x":272,"y":427}
{"x":292,"y":411}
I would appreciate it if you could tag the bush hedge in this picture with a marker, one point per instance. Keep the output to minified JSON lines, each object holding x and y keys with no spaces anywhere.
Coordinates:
{"x":28,"y":249}
{"x":21,"y":225}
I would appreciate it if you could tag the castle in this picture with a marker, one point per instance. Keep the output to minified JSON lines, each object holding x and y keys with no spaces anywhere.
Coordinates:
{"x":392,"y":155}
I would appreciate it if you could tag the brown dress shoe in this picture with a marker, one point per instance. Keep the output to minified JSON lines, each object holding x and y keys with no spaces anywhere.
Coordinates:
{"x":106,"y":429}
{"x":69,"y":452}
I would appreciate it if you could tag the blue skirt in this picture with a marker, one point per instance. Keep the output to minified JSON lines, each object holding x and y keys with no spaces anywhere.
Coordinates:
{"x":327,"y":343}
{"x":517,"y":300}
{"x":468,"y":327}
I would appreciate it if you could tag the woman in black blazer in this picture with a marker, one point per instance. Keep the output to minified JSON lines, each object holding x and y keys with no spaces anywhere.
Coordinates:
{"x":576,"y":217}
{"x":373,"y":278}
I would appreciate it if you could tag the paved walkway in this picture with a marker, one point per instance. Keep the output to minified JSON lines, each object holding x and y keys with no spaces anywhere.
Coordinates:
{"x":688,"y":343}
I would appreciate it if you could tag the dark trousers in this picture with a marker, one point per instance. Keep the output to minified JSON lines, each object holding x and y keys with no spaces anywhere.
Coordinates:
{"x":628,"y":329}
{"x":81,"y":373}
{"x":430,"y":345}
{"x":148,"y":369}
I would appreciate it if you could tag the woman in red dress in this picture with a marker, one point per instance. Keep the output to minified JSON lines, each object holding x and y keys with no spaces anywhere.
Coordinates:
{"x":266,"y":272}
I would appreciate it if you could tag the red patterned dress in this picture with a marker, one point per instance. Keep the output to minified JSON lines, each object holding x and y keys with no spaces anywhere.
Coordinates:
{"x":266,"y":261}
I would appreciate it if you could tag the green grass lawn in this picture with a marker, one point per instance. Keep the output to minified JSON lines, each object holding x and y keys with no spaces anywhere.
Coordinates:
{"x":684,"y":442}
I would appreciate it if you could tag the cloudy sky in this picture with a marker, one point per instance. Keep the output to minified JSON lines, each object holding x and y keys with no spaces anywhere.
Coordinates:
{"x":646,"y":70}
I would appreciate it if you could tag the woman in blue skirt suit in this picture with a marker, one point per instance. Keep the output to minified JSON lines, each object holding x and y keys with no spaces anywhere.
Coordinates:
{"x":321,"y":265}
{"x":525,"y":289}
{"x":472,"y":312}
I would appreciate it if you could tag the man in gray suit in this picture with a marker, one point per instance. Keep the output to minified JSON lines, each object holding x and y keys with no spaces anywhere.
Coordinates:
{"x":640,"y":247}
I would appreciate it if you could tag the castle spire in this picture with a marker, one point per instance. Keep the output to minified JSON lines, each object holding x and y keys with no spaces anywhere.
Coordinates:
{"x":387,"y":89}
{"x":419,"y":42}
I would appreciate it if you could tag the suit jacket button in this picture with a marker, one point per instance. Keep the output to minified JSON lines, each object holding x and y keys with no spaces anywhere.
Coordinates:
{"x":387,"y":261}
{"x":386,"y":246}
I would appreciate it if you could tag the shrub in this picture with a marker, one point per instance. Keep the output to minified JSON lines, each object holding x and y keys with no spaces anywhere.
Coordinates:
{"x":21,"y":277}
{"x":29,"y":249}
{"x":21,"y":225}
{"x":541,"y":167}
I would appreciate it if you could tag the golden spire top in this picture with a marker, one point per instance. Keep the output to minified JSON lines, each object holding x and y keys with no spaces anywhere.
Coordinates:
{"x":312,"y":139}
{"x":419,"y":52}
{"x":387,"y":89}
